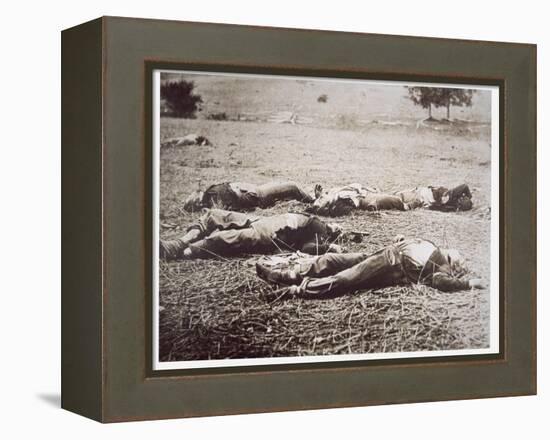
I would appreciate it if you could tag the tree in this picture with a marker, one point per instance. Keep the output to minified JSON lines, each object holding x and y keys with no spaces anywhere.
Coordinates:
{"x":423,"y":96}
{"x":427,"y":97}
{"x":180,"y":99}
{"x":456,"y":97}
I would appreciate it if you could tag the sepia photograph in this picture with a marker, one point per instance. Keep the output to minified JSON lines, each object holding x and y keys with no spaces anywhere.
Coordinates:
{"x":309,"y":219}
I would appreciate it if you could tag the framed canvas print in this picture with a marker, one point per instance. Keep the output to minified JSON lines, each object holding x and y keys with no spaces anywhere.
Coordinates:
{"x":263,"y":219}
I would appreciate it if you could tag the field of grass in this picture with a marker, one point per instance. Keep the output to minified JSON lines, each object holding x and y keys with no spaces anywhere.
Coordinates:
{"x":216,"y":309}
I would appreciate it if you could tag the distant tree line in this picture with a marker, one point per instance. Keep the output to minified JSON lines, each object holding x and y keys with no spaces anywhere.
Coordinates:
{"x":428,"y":97}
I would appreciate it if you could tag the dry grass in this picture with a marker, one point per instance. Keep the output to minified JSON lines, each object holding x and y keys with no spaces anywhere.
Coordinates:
{"x":224,"y":314}
{"x":215,"y":309}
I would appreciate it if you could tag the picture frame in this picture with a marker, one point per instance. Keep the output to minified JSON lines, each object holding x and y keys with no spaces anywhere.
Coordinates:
{"x":107,"y":219}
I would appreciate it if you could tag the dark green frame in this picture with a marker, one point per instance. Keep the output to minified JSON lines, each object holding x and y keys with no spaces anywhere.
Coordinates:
{"x":106,"y":214}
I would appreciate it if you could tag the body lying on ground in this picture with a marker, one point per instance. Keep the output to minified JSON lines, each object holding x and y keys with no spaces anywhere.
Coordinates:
{"x":438,"y":198}
{"x":402,"y":262}
{"x":227,"y":233}
{"x":245,"y":196}
{"x":342,"y":200}
{"x":190,"y":139}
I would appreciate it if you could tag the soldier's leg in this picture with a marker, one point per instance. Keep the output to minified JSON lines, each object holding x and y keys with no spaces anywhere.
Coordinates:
{"x":173,"y":249}
{"x":220,"y":220}
{"x":293,"y":269}
{"x":227,"y":243}
{"x":212,"y":220}
{"x":382,"y":202}
{"x":388,"y":202}
{"x":315,"y":248}
{"x":272,"y":192}
{"x":299,"y":194}
{"x":380,"y":268}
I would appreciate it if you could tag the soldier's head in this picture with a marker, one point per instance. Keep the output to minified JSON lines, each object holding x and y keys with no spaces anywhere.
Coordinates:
{"x":194,"y":201}
{"x":334,"y":230}
{"x":440,"y":194}
{"x":464,"y":203}
{"x":455,"y":260}
{"x":202,"y":141}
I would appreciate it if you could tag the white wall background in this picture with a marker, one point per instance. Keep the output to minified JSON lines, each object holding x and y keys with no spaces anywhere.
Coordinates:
{"x":30,"y":217}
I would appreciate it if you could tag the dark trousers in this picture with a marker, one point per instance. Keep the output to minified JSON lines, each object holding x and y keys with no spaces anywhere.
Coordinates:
{"x":221,"y":232}
{"x":270,"y":193}
{"x":341,"y":273}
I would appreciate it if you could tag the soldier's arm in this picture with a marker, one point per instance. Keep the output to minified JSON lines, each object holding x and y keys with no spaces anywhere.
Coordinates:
{"x":448,"y":283}
{"x":444,"y":207}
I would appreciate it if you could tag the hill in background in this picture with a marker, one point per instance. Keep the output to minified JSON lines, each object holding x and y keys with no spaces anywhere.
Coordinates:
{"x":348,"y":103}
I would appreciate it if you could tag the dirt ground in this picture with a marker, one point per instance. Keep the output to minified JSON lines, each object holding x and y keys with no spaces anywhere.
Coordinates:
{"x":216,"y":309}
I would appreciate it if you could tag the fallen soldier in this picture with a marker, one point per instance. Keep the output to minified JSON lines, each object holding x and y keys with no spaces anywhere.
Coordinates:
{"x":245,"y":196}
{"x":190,"y":139}
{"x":438,"y":198}
{"x":228,"y":233}
{"x":403,"y":262}
{"x":341,"y":201}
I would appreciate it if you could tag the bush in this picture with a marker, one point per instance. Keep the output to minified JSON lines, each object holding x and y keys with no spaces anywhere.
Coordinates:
{"x":221,"y":116}
{"x":323,"y":98}
{"x":180,"y":100}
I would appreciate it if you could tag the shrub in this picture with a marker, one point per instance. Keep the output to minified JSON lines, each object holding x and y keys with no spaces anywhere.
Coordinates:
{"x":179,"y":98}
{"x":221,"y":116}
